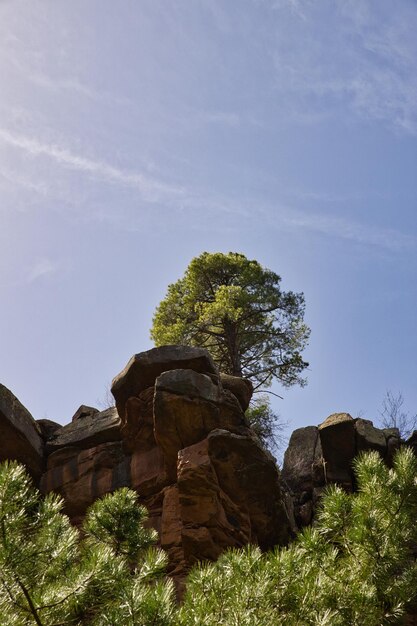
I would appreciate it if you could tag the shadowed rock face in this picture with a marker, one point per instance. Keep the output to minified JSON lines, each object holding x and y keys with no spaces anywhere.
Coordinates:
{"x":317,"y":456}
{"x":21,"y":437}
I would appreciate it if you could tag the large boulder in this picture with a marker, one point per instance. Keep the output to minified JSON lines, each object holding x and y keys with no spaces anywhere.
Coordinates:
{"x":318,"y":456}
{"x":183,"y":443}
{"x":21,"y":438}
{"x":143,"y":369}
{"x":303,"y":472}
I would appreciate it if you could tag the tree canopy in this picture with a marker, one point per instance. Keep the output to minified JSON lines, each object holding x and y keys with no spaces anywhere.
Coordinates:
{"x":236,"y":309}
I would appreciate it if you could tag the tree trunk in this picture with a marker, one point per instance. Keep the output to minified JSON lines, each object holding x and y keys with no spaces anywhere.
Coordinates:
{"x":232,"y":342}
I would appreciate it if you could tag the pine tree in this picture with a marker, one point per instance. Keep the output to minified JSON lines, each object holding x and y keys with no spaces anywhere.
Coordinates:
{"x":355,"y":567}
{"x":236,"y":309}
{"x":53,"y":575}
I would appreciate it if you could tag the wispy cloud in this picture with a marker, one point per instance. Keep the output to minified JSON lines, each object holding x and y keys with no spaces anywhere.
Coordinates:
{"x":74,"y":85}
{"x":151,"y":189}
{"x":352,"y":57}
{"x":42,"y":267}
{"x":294,"y":5}
{"x":350,"y":230}
{"x":195,"y":206}
{"x":13,"y":178}
{"x":281,"y":215}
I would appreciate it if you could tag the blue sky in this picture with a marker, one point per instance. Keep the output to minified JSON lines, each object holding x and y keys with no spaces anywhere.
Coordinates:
{"x":135,"y":135}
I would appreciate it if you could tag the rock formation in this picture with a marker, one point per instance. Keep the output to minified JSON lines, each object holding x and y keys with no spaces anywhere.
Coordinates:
{"x":179,"y":437}
{"x":317,"y":456}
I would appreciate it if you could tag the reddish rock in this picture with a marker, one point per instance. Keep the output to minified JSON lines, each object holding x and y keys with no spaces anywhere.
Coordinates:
{"x":148,"y":471}
{"x":82,"y":476}
{"x":231,"y":414}
{"x":184,"y":445}
{"x":186,"y":409}
{"x":212,"y":522}
{"x":21,"y":438}
{"x":171,"y":531}
{"x":144,"y":368}
{"x":138,"y":428}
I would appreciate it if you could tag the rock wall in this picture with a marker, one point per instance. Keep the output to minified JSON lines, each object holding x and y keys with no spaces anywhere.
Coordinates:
{"x":179,"y":437}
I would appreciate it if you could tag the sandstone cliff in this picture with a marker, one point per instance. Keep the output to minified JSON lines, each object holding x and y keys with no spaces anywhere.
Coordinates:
{"x":179,"y":437}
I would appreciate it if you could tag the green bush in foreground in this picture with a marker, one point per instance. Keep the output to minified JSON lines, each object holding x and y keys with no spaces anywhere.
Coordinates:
{"x":355,"y":567}
{"x":51,"y":575}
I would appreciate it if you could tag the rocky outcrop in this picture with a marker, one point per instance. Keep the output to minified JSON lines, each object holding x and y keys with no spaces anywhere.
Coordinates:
{"x":143,"y":369}
{"x":317,"y":456}
{"x":21,"y":437}
{"x":179,"y":437}
{"x":193,"y":457}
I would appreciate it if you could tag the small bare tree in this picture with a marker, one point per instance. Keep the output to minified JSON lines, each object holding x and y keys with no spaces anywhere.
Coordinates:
{"x":107,"y":400}
{"x":393,"y":415}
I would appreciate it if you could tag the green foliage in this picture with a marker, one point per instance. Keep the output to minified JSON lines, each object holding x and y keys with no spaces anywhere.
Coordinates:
{"x":355,"y":567}
{"x":235,"y":308}
{"x":52,"y":575}
{"x":266,"y":423}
